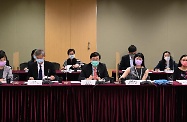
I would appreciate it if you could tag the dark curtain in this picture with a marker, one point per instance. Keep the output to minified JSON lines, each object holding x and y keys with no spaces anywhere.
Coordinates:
{"x":102,"y":103}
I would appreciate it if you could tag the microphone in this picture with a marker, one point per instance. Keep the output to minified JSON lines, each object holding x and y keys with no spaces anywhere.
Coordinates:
{"x":47,"y":80}
{"x":99,"y":75}
{"x":8,"y":79}
{"x":98,"y":72}
{"x":118,"y":72}
{"x":48,"y":73}
{"x":66,"y":75}
{"x":65,"y":64}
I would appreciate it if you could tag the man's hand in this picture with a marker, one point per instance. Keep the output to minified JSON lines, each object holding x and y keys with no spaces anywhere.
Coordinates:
{"x":52,"y":77}
{"x":31,"y":78}
{"x":90,"y":78}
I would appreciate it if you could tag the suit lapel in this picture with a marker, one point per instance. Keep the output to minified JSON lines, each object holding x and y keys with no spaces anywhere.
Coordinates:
{"x":90,"y":69}
{"x":45,"y":68}
{"x":35,"y":68}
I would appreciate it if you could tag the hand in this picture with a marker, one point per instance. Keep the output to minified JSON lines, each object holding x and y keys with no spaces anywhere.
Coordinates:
{"x":31,"y":78}
{"x":157,"y":70}
{"x":1,"y":79}
{"x":90,"y":78}
{"x":25,"y":68}
{"x":63,"y":68}
{"x":168,"y":69}
{"x":98,"y":78}
{"x":52,"y":77}
{"x":119,"y":80}
{"x":75,"y":66}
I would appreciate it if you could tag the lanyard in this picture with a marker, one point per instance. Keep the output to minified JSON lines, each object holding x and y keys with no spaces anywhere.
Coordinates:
{"x":139,"y":76}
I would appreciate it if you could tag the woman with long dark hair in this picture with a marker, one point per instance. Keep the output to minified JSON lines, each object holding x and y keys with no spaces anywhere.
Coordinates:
{"x":180,"y":72}
{"x":167,"y":62}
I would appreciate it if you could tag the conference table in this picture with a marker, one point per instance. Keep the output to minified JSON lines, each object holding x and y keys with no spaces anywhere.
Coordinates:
{"x":21,"y":75}
{"x":85,"y":103}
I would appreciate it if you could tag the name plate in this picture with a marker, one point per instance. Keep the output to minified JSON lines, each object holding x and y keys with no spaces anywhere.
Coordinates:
{"x":34,"y":82}
{"x":133,"y":82}
{"x":88,"y":82}
{"x":183,"y":82}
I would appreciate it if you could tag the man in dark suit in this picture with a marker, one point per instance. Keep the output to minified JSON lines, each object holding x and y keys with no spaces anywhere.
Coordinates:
{"x":39,"y":69}
{"x":127,"y":60}
{"x":95,"y":70}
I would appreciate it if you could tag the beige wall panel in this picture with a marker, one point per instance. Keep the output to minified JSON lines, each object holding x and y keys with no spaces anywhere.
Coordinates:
{"x":152,"y":25}
{"x":83,"y":28}
{"x":57,"y":29}
{"x":70,"y":24}
{"x":21,"y":27}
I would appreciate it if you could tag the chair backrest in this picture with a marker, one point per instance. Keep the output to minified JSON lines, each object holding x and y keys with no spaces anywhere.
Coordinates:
{"x":56,"y":65}
{"x":23,"y":65}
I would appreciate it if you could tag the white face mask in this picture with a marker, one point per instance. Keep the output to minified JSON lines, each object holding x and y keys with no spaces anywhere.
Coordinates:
{"x":72,"y":56}
{"x":167,"y":58}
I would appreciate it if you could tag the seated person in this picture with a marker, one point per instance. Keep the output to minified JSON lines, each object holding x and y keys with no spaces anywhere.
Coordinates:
{"x":167,"y":62}
{"x":33,"y":59}
{"x":7,"y":61}
{"x":76,"y":64}
{"x":180,"y":73}
{"x":138,"y":71}
{"x":5,"y":71}
{"x":95,"y":70}
{"x":41,"y":68}
{"x":127,"y":60}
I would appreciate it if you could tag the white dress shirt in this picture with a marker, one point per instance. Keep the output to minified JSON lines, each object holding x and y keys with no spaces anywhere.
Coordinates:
{"x":131,"y":61}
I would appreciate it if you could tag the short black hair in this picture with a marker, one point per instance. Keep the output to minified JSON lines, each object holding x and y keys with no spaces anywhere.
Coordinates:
{"x":70,"y":50}
{"x":94,"y":54}
{"x":2,"y":54}
{"x":139,"y":55}
{"x":179,"y":64}
{"x":132,"y":49}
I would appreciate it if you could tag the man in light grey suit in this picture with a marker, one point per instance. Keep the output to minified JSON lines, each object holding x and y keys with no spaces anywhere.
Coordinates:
{"x":5,"y":71}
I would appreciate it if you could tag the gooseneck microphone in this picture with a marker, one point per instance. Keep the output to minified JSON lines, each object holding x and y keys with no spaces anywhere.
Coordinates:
{"x":47,"y":80}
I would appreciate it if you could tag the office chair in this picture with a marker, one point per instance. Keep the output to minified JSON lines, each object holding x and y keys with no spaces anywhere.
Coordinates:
{"x":23,"y":65}
{"x":56,"y":65}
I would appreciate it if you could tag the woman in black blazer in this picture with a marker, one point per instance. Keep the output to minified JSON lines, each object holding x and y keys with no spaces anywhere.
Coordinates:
{"x":167,"y":62}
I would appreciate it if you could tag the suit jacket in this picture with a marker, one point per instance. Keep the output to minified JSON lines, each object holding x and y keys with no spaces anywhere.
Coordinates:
{"x":48,"y":70}
{"x":88,"y":69}
{"x":161,"y":65}
{"x":125,"y":62}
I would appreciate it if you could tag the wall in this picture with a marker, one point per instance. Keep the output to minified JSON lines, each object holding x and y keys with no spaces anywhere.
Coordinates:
{"x":21,"y":27}
{"x":152,"y":25}
{"x":70,"y":24}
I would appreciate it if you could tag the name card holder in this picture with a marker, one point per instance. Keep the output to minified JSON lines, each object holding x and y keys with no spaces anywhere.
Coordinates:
{"x":88,"y":82}
{"x":183,"y":82}
{"x":133,"y":82}
{"x":34,"y":82}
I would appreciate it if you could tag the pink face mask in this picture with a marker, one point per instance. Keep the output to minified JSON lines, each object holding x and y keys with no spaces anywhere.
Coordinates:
{"x":2,"y":63}
{"x":138,"y":62}
{"x":184,"y":63}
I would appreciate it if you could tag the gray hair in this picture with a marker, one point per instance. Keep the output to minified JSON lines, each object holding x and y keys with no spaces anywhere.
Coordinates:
{"x":39,"y":52}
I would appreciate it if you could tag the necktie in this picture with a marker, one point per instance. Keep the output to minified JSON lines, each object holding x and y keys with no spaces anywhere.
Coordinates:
{"x":95,"y":73}
{"x":40,"y":73}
